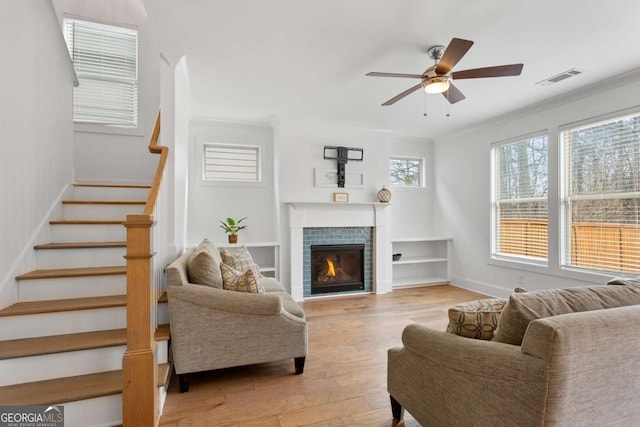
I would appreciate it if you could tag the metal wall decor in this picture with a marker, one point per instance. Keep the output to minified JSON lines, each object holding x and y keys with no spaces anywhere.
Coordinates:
{"x":343,"y":155}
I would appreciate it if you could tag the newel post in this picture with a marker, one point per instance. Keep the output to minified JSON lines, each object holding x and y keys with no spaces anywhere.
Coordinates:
{"x":139,"y":367}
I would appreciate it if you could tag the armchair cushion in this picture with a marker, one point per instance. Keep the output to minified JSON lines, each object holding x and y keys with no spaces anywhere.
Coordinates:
{"x":234,"y":280}
{"x":203,"y":266}
{"x":523,"y":308}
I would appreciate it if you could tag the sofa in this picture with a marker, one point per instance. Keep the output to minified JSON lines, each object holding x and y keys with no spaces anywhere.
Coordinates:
{"x":563,"y":357}
{"x":214,"y":328}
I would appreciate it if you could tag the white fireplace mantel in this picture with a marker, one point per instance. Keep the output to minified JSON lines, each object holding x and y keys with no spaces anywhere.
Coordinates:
{"x":318,"y":214}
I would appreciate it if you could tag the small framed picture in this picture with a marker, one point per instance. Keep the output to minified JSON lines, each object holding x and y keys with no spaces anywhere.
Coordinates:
{"x":341,"y":197}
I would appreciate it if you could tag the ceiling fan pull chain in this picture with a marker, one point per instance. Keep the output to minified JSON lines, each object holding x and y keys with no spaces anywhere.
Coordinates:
{"x":448,"y":105}
{"x":425,"y":103}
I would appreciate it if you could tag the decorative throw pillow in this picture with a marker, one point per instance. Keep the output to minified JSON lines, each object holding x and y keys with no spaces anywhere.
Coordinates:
{"x":234,"y":280}
{"x":523,"y":308}
{"x":624,"y":281}
{"x":240,"y":259}
{"x":475,"y":319}
{"x":203,"y":265}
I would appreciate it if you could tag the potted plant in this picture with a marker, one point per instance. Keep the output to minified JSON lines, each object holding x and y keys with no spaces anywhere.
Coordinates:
{"x":231,"y":227}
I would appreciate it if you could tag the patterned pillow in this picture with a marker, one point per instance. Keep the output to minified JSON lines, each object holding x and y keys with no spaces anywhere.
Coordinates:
{"x":240,"y":259}
{"x":234,"y":280}
{"x":203,"y":265}
{"x":475,"y":319}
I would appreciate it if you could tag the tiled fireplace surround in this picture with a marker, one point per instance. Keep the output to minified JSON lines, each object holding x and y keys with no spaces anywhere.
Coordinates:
{"x":306,"y":215}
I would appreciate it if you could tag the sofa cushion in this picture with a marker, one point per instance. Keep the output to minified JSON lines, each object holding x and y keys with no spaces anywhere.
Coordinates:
{"x":239,"y":259}
{"x":523,"y":308}
{"x":475,"y":319}
{"x":234,"y":280}
{"x":203,"y":266}
{"x":271,"y":285}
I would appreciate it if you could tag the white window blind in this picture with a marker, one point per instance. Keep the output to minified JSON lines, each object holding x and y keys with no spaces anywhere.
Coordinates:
{"x":105,"y":58}
{"x":601,"y":204}
{"x":520,"y":199}
{"x":231,"y":163}
{"x":406,"y":172}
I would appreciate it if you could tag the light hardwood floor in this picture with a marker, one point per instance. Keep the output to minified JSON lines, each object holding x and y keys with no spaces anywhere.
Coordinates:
{"x":344,"y":382}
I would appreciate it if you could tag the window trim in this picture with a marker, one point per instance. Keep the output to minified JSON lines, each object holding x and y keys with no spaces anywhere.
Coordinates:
{"x":422,"y":175}
{"x":500,"y":258}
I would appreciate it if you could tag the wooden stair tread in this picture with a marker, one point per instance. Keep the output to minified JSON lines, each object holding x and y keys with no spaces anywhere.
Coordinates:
{"x":104,"y":202}
{"x":80,"y":245}
{"x":110,"y":185}
{"x":86,"y":221}
{"x":26,"y":347}
{"x":55,"y":306}
{"x":69,"y":389}
{"x":55,"y":273}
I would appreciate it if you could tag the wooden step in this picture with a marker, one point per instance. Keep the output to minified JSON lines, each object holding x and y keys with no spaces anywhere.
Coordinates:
{"x":27,"y":347}
{"x":86,"y":221}
{"x":57,"y":273}
{"x":69,"y":389}
{"x":110,"y":185}
{"x":163,"y":298}
{"x":104,"y":202}
{"x":55,"y":306}
{"x":81,"y":245}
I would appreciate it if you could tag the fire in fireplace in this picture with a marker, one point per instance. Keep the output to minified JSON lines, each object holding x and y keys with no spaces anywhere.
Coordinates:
{"x":337,"y":268}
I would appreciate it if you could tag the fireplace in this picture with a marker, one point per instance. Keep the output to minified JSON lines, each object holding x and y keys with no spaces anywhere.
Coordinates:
{"x":337,"y":268}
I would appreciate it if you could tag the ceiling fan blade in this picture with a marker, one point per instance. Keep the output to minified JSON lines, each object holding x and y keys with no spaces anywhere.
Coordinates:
{"x":410,"y":76}
{"x":498,"y":71}
{"x":453,"y":95}
{"x":403,"y":94}
{"x":452,"y":54}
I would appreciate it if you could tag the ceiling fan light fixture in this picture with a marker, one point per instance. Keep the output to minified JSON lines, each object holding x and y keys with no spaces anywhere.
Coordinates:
{"x":438,"y":84}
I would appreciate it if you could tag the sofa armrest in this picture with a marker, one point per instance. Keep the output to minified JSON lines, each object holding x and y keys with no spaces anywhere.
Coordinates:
{"x":226,"y":301}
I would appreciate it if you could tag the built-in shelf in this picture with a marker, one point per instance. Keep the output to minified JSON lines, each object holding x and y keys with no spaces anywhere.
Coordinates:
{"x":265,"y":254}
{"x":424,"y":261}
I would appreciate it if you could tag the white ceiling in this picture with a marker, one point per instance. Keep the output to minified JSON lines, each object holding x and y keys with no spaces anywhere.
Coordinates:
{"x":250,"y":59}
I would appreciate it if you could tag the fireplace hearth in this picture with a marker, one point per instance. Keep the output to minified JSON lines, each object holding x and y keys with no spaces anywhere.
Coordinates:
{"x":337,"y":268}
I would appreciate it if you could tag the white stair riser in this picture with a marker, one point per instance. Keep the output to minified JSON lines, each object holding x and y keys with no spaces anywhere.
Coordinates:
{"x":72,"y":287}
{"x":110,"y":193}
{"x":68,"y":322}
{"x":73,"y":211}
{"x":67,"y":364}
{"x":58,"y":365}
{"x":80,"y":257}
{"x":64,"y":233}
{"x":99,"y":412}
{"x":163,"y":313}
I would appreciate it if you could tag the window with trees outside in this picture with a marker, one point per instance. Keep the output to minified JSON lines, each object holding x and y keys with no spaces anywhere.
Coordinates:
{"x":105,"y":58}
{"x":406,"y":172}
{"x":520,"y":198}
{"x":601,"y":195}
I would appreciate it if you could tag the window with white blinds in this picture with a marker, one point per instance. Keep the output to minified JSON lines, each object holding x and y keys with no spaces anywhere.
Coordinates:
{"x":231,"y":163}
{"x":601,"y":195}
{"x":105,"y":58}
{"x":520,"y":199}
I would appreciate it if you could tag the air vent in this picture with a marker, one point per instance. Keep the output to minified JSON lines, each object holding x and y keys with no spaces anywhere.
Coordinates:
{"x":559,"y":77}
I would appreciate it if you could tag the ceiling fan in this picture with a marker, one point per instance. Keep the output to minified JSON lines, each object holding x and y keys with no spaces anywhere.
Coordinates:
{"x":437,"y":78}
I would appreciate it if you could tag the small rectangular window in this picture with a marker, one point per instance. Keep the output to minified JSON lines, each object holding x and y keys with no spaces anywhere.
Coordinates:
{"x":520,"y":199}
{"x":231,"y":163}
{"x":105,"y":58}
{"x":406,"y":172}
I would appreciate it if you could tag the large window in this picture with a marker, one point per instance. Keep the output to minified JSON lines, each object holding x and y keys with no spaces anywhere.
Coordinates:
{"x":601,"y":195}
{"x":520,"y":198}
{"x":105,"y":58}
{"x":406,"y":172}
{"x":231,"y":163}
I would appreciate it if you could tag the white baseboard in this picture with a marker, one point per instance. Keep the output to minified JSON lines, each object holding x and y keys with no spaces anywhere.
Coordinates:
{"x":480,"y":287}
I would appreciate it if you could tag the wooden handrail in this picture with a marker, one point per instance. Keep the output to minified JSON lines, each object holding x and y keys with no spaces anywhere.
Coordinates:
{"x":139,"y":364}
{"x":164,"y":152}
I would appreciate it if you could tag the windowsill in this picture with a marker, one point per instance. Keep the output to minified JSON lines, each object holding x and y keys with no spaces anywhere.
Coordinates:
{"x":104,"y":129}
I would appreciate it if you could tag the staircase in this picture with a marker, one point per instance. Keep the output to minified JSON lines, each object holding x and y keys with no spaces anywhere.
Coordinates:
{"x":63,"y":341}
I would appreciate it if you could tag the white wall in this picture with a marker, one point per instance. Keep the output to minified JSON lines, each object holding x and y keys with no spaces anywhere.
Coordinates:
{"x":462,"y":190}
{"x":209,"y":202}
{"x":180,"y":157}
{"x":36,"y":128}
{"x":106,"y":153}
